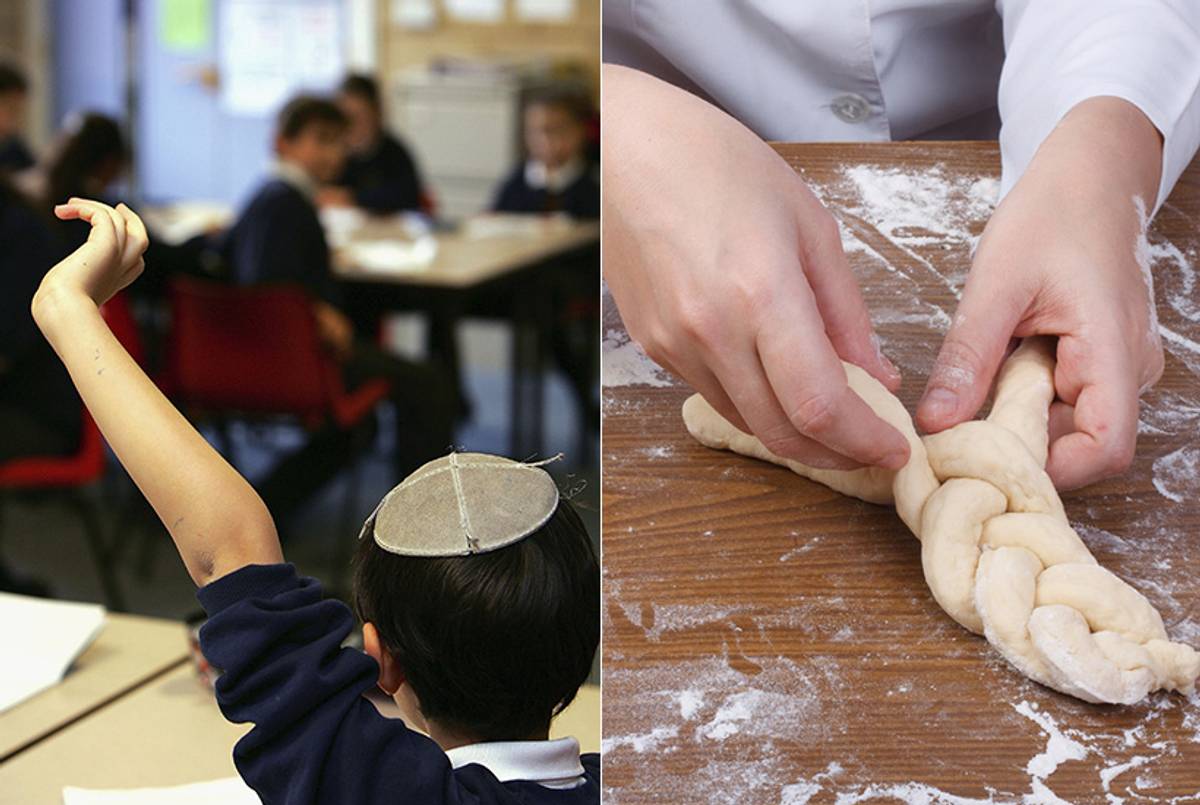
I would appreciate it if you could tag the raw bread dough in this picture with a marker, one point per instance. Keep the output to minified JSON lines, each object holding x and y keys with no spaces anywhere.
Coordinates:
{"x":998,"y":552}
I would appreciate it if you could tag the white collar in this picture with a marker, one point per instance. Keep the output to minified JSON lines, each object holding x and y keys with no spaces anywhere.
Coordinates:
{"x":553,"y":764}
{"x":297,"y":177}
{"x":538,"y":176}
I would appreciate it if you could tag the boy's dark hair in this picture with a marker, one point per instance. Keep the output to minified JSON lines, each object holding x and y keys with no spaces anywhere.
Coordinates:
{"x":303,"y":111}
{"x":571,"y":98}
{"x":12,"y":79}
{"x":493,"y":644}
{"x":362,"y":86}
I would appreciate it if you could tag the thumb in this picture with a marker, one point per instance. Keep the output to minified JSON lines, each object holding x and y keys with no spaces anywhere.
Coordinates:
{"x":843,"y":311}
{"x":970,"y":356}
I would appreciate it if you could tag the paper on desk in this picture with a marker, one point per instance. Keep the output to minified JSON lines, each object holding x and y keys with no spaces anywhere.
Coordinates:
{"x":229,"y":791}
{"x":392,"y":256}
{"x":39,"y":640}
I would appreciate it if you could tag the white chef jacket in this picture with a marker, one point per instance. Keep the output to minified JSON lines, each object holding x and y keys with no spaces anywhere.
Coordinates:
{"x":807,"y":70}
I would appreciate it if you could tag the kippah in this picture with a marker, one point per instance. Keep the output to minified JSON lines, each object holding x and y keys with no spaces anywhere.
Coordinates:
{"x":463,"y":503}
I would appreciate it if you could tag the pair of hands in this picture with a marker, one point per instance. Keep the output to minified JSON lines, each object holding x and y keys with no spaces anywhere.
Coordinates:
{"x":730,"y":273}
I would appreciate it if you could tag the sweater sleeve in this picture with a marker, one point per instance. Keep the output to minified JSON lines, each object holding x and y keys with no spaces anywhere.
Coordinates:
{"x":316,"y":739}
{"x":1061,"y":53}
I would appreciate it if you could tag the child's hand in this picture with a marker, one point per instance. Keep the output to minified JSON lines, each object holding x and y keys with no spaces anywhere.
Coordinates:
{"x":111,"y":258}
{"x":730,"y":273}
{"x":1059,"y":258}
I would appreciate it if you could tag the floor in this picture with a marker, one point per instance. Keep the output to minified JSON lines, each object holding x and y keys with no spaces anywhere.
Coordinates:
{"x":47,"y":542}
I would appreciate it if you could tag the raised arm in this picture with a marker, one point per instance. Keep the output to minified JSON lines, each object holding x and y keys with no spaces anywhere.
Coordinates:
{"x":218,"y":522}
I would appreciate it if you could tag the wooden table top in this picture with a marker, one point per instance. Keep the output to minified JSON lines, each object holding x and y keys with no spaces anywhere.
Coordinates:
{"x":464,"y":261}
{"x":170,"y":732}
{"x":767,"y":640}
{"x":129,"y":650}
{"x":165,"y":733}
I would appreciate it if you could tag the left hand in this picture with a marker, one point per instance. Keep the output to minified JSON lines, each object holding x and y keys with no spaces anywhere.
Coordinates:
{"x":109,"y":260}
{"x":1059,"y":258}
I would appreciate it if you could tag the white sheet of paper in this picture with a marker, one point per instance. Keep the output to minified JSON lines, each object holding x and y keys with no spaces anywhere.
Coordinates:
{"x":487,"y":11}
{"x":270,"y":50}
{"x":416,"y":15}
{"x":229,"y":791}
{"x":39,"y":639}
{"x":393,"y":256}
{"x":545,"y":10}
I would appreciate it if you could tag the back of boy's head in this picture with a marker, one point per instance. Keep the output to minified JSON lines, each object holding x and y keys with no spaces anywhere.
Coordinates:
{"x":12,"y":80}
{"x":362,"y":86}
{"x":305,"y":111}
{"x":492,"y":644}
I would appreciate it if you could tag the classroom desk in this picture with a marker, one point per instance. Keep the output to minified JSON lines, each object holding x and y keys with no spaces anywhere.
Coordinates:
{"x":767,"y":640}
{"x":128,"y":651}
{"x":170,"y":732}
{"x":507,"y":275}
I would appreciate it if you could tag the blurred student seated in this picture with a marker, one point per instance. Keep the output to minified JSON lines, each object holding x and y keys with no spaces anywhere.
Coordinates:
{"x":278,"y":238}
{"x":91,"y":154}
{"x":14,"y":154}
{"x":379,"y":175}
{"x":557,"y":176}
{"x":40,"y":413}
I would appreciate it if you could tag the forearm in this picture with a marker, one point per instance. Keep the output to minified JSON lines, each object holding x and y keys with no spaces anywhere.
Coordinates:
{"x":214,"y":516}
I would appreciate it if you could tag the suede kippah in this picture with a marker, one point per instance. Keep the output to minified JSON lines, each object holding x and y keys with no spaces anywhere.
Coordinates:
{"x":461,"y":504}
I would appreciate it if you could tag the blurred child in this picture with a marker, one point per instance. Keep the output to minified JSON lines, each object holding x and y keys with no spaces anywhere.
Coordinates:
{"x":89,"y":158}
{"x":14,"y":154}
{"x":278,"y":238}
{"x":481,"y":629}
{"x":40,"y":413}
{"x":380,"y":174}
{"x":556,"y":176}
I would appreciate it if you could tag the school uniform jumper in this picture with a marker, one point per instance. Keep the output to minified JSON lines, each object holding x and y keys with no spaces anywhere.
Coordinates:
{"x":316,"y":739}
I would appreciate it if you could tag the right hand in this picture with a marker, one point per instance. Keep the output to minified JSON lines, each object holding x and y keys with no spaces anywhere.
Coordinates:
{"x":730,"y":273}
{"x":334,"y":329}
{"x":109,"y":260}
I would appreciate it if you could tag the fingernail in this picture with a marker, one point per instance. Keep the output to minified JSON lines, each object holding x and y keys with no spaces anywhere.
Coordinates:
{"x":896,"y":460}
{"x":939,"y":402}
{"x":889,"y":366}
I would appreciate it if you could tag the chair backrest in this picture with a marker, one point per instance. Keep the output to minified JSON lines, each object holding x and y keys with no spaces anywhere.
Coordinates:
{"x":248,"y":349}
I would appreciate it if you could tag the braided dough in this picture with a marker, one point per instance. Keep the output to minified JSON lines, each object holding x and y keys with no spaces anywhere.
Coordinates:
{"x":998,"y":553}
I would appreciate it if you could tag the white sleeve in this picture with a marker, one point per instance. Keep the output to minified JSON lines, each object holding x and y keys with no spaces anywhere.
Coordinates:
{"x":1061,"y":52}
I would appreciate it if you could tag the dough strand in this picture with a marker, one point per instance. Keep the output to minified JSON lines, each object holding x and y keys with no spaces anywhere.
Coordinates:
{"x":998,"y":552}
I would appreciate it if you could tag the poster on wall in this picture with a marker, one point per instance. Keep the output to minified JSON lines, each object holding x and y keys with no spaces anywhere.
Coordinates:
{"x":270,"y":49}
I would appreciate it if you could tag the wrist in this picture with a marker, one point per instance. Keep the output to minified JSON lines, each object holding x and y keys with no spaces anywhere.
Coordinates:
{"x":55,"y":305}
{"x":1103,"y":149}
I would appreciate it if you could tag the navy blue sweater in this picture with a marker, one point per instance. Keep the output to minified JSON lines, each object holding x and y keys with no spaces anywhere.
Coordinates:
{"x":278,"y":238}
{"x":316,"y":739}
{"x":386,"y":180}
{"x":580,"y":199}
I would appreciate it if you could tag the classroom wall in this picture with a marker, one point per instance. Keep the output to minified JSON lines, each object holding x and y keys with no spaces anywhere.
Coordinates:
{"x":577,"y":40}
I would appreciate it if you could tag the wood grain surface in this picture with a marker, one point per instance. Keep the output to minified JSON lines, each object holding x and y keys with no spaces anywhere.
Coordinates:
{"x":767,"y":640}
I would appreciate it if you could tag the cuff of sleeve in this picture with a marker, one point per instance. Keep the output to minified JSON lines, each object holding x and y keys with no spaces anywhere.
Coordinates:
{"x":1023,"y":133}
{"x":251,"y":581}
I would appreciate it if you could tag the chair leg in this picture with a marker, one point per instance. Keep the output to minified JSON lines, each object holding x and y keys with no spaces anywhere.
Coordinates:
{"x":93,"y":531}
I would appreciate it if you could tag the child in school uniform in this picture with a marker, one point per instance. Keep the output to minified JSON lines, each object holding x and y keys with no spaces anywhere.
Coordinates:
{"x":278,"y":238}
{"x":379,"y":175}
{"x":478,"y":583}
{"x":556,"y":177}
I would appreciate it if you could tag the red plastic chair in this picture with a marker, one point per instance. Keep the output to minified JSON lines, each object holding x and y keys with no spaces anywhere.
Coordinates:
{"x":69,"y":475}
{"x":256,"y":351}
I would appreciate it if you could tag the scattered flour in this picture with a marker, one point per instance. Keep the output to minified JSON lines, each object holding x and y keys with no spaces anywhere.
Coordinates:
{"x":623,"y":363}
{"x":1177,"y":474}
